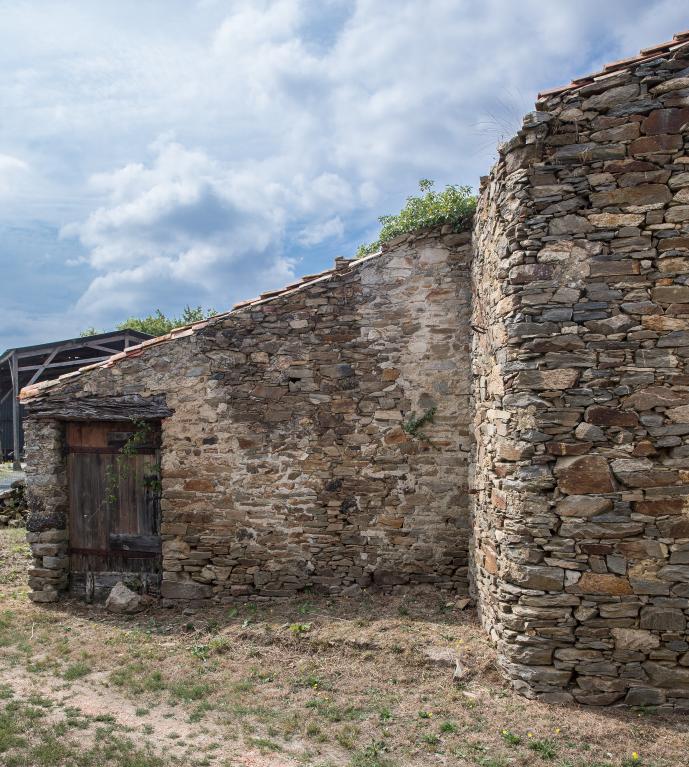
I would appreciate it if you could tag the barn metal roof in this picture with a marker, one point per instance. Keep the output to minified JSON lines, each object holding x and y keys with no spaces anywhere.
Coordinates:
{"x":38,"y":348}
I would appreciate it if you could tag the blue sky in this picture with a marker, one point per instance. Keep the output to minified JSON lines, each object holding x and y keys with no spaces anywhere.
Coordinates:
{"x":157,"y":153}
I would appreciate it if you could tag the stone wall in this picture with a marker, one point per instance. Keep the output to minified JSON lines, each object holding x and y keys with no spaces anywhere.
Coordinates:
{"x":46,"y":496}
{"x":285,"y":463}
{"x":581,"y":277}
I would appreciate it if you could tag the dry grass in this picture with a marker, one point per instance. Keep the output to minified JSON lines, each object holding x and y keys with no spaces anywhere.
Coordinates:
{"x":308,"y":682}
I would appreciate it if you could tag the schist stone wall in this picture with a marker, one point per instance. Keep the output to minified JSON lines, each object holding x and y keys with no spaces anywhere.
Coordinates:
{"x":581,"y":279}
{"x":285,"y":463}
{"x":556,"y":359}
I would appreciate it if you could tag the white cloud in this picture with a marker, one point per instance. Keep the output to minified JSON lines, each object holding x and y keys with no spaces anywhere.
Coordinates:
{"x":221,"y":137}
{"x":183,"y":222}
{"x":10,"y":164}
{"x":317,"y":233}
{"x":13,"y":171}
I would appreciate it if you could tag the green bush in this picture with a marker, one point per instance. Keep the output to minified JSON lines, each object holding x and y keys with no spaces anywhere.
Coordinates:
{"x":455,"y":206}
{"x":159,"y":324}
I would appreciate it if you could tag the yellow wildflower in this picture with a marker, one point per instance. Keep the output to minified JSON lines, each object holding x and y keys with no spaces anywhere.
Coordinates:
{"x":635,"y":756}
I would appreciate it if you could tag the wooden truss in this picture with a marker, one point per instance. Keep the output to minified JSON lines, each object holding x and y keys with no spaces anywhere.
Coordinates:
{"x":31,"y":364}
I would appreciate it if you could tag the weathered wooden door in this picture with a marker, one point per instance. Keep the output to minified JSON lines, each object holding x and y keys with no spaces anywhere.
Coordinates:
{"x":113,"y":474}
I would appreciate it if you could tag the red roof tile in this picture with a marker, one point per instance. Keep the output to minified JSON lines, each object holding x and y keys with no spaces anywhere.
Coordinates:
{"x":647,"y":54}
{"x":28,"y":392}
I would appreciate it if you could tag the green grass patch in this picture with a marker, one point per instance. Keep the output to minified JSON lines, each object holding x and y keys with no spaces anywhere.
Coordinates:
{"x":264,"y":744}
{"x":188,"y":691}
{"x":334,"y":713}
{"x":545,"y":747}
{"x":136,"y":678}
{"x":372,"y":756}
{"x":76,"y":671}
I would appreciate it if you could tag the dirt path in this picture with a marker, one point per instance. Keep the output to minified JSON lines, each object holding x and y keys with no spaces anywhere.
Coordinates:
{"x":166,"y":729}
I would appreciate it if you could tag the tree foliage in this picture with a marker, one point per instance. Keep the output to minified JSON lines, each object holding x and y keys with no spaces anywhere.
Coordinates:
{"x":158,"y":324}
{"x":90,"y":332}
{"x":455,"y":205}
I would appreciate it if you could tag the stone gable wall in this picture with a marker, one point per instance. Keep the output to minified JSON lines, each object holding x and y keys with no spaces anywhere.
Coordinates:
{"x":581,"y":277}
{"x":285,"y":463}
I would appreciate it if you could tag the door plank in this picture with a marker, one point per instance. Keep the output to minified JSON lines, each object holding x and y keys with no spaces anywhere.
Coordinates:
{"x":114,"y":511}
{"x":135,"y":543}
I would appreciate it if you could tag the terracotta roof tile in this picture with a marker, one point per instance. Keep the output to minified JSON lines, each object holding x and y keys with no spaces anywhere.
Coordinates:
{"x":646,"y":54}
{"x":28,"y":392}
{"x":342,"y":266}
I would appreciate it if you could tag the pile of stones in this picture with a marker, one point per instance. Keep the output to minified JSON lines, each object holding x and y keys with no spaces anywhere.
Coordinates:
{"x":13,"y":505}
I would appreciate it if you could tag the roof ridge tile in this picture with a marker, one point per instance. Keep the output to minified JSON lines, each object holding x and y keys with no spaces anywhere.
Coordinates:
{"x":30,"y":391}
{"x":645,"y":54}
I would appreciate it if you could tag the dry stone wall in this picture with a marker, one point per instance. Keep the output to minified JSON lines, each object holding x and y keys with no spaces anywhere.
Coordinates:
{"x":46,"y":496}
{"x":581,"y":280}
{"x":286,"y":463}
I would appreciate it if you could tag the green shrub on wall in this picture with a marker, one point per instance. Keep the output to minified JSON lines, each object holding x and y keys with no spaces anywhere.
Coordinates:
{"x":455,"y":205}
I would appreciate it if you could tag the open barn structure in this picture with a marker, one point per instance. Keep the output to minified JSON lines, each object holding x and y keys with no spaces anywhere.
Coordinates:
{"x":42,"y":362}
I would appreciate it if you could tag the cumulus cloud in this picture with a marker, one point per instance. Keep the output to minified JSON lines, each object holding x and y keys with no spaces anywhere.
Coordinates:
{"x":13,"y":171}
{"x":183,"y":224}
{"x":317,"y":233}
{"x":202,"y":152}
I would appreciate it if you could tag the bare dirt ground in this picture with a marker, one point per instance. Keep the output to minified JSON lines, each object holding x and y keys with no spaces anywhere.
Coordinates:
{"x":314,"y":681}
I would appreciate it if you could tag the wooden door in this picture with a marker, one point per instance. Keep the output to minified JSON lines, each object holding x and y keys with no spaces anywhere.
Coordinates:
{"x":113,"y":472}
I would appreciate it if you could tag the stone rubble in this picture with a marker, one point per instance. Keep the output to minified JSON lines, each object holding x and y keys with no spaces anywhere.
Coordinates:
{"x":123,"y":601}
{"x":13,"y":508}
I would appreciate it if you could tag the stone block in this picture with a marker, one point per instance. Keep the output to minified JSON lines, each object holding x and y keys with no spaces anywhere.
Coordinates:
{"x":577,"y":529}
{"x":655,"y":396}
{"x":582,"y":475}
{"x":658,"y":618}
{"x":655,"y":195}
{"x":533,"y":577}
{"x":663,"y":121}
{"x":589,"y":152}
{"x":658,"y":144}
{"x":175,"y":549}
{"x":610,"y":416}
{"x":185,"y":590}
{"x":660,"y":507}
{"x":615,"y":220}
{"x":666,"y":676}
{"x":635,"y":639}
{"x":544,"y":380}
{"x":601,"y":583}
{"x":611,"y":96}
{"x":645,"y":696}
